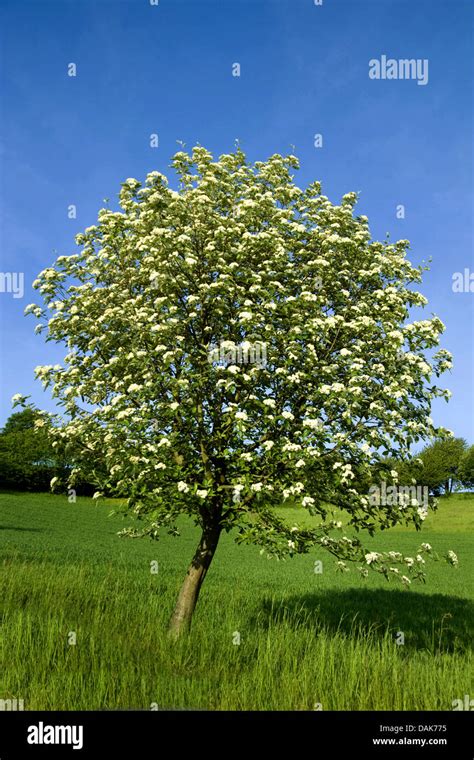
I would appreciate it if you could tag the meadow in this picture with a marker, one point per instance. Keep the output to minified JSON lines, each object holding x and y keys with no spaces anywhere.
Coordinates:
{"x":83,"y":619}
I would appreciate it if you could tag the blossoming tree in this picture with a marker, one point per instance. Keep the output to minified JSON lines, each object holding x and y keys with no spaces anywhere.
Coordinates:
{"x":238,"y":256}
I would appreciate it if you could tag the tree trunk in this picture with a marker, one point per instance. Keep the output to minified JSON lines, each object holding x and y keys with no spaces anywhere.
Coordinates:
{"x":188,"y":595}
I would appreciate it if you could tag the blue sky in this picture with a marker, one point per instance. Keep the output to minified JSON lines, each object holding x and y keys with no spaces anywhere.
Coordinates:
{"x":167,"y":69}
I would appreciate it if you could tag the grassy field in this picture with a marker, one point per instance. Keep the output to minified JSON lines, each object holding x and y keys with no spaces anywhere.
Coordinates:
{"x":307,"y":641}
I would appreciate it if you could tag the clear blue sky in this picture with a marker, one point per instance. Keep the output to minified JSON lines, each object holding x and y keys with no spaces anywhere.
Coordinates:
{"x":167,"y":69}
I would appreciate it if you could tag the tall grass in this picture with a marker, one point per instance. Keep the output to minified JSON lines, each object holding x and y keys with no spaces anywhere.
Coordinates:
{"x":287,"y":658}
{"x":306,"y":640}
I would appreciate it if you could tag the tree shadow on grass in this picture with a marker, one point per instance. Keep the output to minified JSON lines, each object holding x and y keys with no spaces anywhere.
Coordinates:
{"x":433,"y":622}
{"x":16,"y":527}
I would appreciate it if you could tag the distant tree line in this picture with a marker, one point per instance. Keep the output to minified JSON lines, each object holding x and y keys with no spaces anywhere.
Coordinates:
{"x":28,"y":461}
{"x":444,"y":466}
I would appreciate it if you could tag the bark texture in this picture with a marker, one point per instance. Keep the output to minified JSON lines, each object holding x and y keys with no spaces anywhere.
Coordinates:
{"x":189,"y":593}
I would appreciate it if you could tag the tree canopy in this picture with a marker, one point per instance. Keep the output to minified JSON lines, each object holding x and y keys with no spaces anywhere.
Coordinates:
{"x":27,"y":459}
{"x":465,"y":471}
{"x":441,"y":464}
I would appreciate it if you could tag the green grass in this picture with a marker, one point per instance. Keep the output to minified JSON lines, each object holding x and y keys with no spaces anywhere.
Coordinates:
{"x":305,"y":638}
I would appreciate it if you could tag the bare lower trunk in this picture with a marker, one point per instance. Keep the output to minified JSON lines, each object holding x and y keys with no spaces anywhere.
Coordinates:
{"x":188,"y":595}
